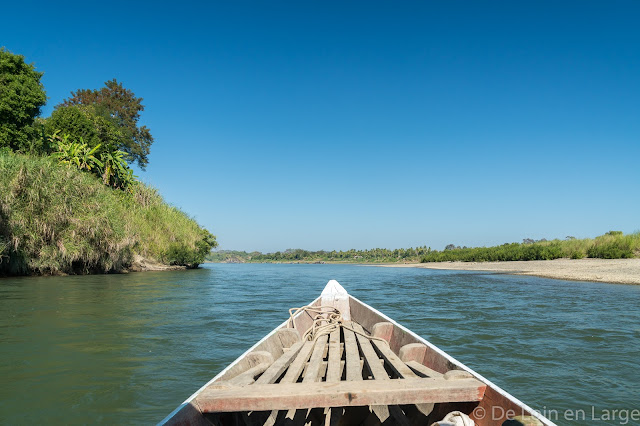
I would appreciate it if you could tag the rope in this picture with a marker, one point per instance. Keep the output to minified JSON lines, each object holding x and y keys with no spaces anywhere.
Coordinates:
{"x":324,"y":322}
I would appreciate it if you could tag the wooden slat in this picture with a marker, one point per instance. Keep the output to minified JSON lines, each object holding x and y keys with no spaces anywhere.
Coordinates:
{"x":399,"y":367}
{"x":292,"y":374}
{"x":402,"y":370}
{"x":277,"y":368}
{"x":311,"y":374}
{"x":294,"y":370}
{"x":422,"y":370}
{"x":248,"y":376}
{"x":333,"y":366}
{"x":370,"y":355}
{"x":334,"y":374}
{"x":341,"y":394}
{"x":378,"y":372}
{"x":352,"y":355}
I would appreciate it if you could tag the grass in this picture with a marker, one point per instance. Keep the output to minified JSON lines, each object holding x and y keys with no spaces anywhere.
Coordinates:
{"x":612,"y":245}
{"x":57,"y":219}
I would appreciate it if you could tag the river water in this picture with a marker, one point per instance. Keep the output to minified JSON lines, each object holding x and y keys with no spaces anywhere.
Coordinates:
{"x":120,"y":349}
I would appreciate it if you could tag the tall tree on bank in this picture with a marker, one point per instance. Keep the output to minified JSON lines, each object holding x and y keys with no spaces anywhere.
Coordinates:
{"x":21,"y":97}
{"x":122,"y":106}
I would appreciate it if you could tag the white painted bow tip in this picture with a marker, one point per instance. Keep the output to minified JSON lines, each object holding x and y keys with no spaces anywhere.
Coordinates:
{"x":335,"y":295}
{"x":333,"y":288}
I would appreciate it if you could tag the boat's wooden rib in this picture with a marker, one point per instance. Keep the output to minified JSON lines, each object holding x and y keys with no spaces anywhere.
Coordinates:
{"x":341,"y":394}
{"x":359,"y":380}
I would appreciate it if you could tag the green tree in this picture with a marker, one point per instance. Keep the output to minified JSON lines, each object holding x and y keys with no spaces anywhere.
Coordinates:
{"x":21,"y":97}
{"x":84,"y":121}
{"x":120,"y":105}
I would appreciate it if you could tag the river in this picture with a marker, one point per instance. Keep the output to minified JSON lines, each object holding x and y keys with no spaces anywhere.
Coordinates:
{"x":129,"y":348}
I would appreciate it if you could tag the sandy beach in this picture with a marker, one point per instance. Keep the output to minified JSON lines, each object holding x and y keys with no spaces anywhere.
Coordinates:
{"x":621,"y":271}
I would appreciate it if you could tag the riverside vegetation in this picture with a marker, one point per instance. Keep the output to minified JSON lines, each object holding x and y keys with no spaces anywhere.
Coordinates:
{"x":69,"y":202}
{"x":612,"y":245}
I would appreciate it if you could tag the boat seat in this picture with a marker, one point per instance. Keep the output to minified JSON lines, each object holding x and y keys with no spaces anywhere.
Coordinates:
{"x":342,"y":369}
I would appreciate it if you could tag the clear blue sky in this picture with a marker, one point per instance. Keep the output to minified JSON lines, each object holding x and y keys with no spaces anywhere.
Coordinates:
{"x":337,"y":125}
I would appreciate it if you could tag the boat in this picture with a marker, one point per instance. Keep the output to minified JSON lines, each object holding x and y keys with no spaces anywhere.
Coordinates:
{"x":338,"y":361}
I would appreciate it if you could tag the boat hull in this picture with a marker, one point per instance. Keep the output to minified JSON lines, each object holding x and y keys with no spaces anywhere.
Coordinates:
{"x":495,"y":408}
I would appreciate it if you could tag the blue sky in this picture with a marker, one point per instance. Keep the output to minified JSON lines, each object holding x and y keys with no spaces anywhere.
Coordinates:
{"x":337,"y":125}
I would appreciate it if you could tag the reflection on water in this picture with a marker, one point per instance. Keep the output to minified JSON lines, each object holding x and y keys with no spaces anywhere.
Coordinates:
{"x":130,"y":348}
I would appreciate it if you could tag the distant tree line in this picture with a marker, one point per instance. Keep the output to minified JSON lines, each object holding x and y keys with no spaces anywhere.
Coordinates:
{"x":612,"y":245}
{"x":377,"y":255}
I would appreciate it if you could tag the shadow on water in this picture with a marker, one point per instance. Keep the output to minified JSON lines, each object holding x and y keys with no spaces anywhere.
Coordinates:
{"x":130,"y":348}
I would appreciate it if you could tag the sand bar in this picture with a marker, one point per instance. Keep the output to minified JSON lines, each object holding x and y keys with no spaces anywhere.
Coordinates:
{"x":621,"y":271}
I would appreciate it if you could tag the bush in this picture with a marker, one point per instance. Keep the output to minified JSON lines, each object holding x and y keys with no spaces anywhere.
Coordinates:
{"x":111,"y":166}
{"x":615,"y":245}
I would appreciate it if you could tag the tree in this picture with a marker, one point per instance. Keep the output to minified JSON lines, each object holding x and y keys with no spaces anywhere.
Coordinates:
{"x":120,"y":105}
{"x":21,"y":97}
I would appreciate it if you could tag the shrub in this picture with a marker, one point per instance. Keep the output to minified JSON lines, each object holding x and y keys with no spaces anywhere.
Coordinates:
{"x":615,"y":245}
{"x":111,"y":167}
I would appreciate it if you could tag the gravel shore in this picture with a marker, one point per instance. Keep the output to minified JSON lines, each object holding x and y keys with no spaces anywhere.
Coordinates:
{"x":621,"y":271}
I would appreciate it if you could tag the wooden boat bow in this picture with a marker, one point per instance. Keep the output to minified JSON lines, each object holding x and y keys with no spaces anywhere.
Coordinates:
{"x":371,"y":370}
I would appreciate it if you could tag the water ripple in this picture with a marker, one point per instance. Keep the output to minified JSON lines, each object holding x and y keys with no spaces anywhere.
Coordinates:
{"x":130,"y":348}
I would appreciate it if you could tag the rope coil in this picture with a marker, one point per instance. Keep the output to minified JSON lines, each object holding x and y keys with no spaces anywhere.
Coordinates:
{"x":326,"y":320}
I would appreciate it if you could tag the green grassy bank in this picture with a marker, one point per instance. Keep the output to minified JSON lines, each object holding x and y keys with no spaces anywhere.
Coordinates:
{"x":612,"y":245}
{"x":57,"y":219}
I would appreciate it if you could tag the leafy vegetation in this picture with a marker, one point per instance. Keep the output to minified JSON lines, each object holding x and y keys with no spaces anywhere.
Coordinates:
{"x":104,"y":161}
{"x":612,"y":245}
{"x":22,"y":96}
{"x":378,"y":255}
{"x":60,"y":211}
{"x":230,"y":256}
{"x":80,"y":121}
{"x":56,"y":219}
{"x":119,"y":105}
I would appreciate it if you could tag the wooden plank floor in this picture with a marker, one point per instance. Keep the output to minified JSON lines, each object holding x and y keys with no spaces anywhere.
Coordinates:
{"x":335,"y":366}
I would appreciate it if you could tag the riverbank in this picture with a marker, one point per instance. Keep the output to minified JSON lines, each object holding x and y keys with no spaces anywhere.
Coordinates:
{"x":58,"y":220}
{"x":620,"y":271}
